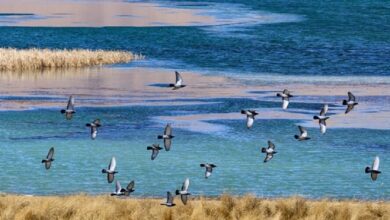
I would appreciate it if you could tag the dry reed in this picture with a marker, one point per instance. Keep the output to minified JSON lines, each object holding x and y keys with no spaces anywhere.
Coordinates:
{"x":225,"y":207}
{"x":40,"y":59}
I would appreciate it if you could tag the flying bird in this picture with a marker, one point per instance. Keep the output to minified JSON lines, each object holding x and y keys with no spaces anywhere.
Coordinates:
{"x":285,"y":98}
{"x":155,"y":148}
{"x":169,"y":201}
{"x":250,"y":117}
{"x":49,"y":158}
{"x":167,"y":137}
{"x":69,"y":111}
{"x":374,"y":170}
{"x":322,"y":118}
{"x":179,"y":82}
{"x":119,"y":191}
{"x":270,"y":151}
{"x":111,"y":170}
{"x":350,"y":103}
{"x":209,"y":169}
{"x":94,"y":125}
{"x":303,"y":134}
{"x":184,"y":191}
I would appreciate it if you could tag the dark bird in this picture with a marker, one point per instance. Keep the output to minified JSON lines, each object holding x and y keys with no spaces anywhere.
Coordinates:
{"x":111,"y":170}
{"x":49,"y":158}
{"x":94,"y":125}
{"x":285,"y":98}
{"x":250,"y":117}
{"x":119,"y":191}
{"x":184,"y":191}
{"x":374,"y":170}
{"x":350,"y":103}
{"x":322,"y":118}
{"x":270,"y":151}
{"x":209,"y":169}
{"x":167,"y":137}
{"x":303,"y":136}
{"x":155,"y":148}
{"x":179,"y":82}
{"x":169,"y":201}
{"x":69,"y":111}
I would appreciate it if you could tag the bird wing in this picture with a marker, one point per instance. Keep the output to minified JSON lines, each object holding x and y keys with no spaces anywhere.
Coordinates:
{"x":118,"y":187}
{"x":375,"y":165}
{"x":50,"y":154}
{"x":285,"y":103}
{"x":271,"y":145}
{"x":47,"y":164}
{"x":130,"y":186}
{"x":303,"y":131}
{"x":351,"y":97}
{"x":179,"y":79}
{"x":186,"y":184}
{"x":169,"y":197}
{"x":285,"y":91}
{"x":167,"y":143}
{"x":324,"y":110}
{"x":96,"y":122}
{"x":323,"y":127}
{"x":112,"y":165}
{"x":184,"y":198}
{"x":268,"y":157}
{"x":349,"y":108}
{"x":110,"y":177}
{"x":249,"y":121}
{"x":154,"y":153}
{"x":70,"y":105}
{"x":168,"y":130}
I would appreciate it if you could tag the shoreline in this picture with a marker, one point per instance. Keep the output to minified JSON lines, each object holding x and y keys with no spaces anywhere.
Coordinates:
{"x":223,"y":207}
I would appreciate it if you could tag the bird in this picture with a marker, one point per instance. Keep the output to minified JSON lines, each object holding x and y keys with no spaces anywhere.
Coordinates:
{"x":303,"y":136}
{"x":119,"y":191}
{"x":94,"y":125}
{"x":374,"y":170}
{"x":111,"y":170}
{"x":250,"y":117}
{"x":350,"y":103}
{"x":322,"y":118}
{"x":129,"y":188}
{"x":155,"y":148}
{"x":184,"y":191}
{"x":179,"y":82}
{"x":285,"y":98}
{"x":69,"y":111}
{"x":49,"y":158}
{"x":209,"y":169}
{"x":167,"y":137}
{"x":270,"y":151}
{"x":169,"y":201}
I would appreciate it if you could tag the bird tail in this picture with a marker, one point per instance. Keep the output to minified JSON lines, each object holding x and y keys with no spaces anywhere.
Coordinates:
{"x":177,"y":192}
{"x":63,"y":111}
{"x":263,"y":150}
{"x":296,"y":136}
{"x":316,"y":117}
{"x":368,"y":170}
{"x":104,"y":171}
{"x":160,"y":137}
{"x":345,"y":102}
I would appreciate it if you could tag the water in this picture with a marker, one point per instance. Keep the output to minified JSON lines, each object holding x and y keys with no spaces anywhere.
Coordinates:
{"x":308,"y":42}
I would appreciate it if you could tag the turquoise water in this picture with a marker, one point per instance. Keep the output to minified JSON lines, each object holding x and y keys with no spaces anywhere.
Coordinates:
{"x":337,"y":39}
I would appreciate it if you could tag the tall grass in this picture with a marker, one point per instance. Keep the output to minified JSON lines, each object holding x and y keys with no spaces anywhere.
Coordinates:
{"x":39,"y":59}
{"x":225,"y":207}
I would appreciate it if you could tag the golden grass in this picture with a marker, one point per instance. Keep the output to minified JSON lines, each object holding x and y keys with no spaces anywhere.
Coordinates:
{"x":225,"y":207}
{"x":40,"y":59}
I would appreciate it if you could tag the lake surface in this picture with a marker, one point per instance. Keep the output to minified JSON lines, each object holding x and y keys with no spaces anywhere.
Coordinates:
{"x":230,"y":62}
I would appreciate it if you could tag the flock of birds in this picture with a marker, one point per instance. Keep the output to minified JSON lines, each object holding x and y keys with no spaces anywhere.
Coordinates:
{"x":167,"y":141}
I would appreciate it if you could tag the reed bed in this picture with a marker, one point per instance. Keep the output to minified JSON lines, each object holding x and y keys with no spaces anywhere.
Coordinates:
{"x":224,"y":207}
{"x":40,"y":59}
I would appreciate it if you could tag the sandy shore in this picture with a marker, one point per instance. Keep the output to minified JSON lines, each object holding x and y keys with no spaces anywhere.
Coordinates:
{"x":225,"y":207}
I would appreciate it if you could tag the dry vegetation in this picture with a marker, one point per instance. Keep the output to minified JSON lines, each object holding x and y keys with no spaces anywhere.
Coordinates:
{"x":225,"y":207}
{"x":39,"y":59}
